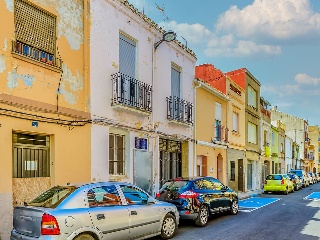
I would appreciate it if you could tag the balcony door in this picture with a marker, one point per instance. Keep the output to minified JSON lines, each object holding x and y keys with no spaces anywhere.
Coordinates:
{"x":127,"y":68}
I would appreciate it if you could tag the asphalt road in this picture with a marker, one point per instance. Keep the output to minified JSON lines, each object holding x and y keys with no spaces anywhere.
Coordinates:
{"x":285,"y":217}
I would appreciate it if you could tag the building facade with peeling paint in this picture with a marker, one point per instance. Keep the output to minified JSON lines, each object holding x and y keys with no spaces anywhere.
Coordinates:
{"x":211,"y":131}
{"x":44,"y":99}
{"x":141,"y":99}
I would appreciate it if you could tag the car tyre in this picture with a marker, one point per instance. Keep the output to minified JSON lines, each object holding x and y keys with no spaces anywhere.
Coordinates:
{"x":84,"y":237}
{"x":169,"y":226}
{"x":234,"y":208}
{"x":203,"y":216}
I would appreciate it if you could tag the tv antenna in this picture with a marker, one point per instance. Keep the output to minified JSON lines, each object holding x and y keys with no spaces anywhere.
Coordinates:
{"x":162,"y":10}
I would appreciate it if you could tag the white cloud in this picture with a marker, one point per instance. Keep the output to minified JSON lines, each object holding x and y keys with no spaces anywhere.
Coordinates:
{"x":241,"y":49}
{"x":303,"y":78}
{"x":274,"y":19}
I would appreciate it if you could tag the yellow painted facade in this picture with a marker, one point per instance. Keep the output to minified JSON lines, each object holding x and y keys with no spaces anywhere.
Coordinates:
{"x":42,"y":98}
{"x":210,"y":151}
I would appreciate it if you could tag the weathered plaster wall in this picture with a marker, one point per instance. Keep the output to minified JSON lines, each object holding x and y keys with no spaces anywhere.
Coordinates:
{"x":27,"y":80}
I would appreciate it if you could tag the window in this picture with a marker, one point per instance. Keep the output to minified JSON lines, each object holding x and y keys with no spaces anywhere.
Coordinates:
{"x":203,"y":184}
{"x":252,"y":133}
{"x":35,"y":31}
{"x":116,"y":154}
{"x":272,"y":135}
{"x":252,"y":97}
{"x":218,"y":119}
{"x":103,"y":196}
{"x":127,"y":56}
{"x":30,"y":155}
{"x":235,"y":122}
{"x":232,"y":171}
{"x":175,"y":80}
{"x":134,"y":195}
{"x":217,"y":185}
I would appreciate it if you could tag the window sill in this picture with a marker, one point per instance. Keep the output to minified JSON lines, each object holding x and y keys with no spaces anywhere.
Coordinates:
{"x":35,"y":62}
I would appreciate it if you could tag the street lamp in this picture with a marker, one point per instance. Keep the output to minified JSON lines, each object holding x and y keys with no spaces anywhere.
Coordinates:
{"x":168,"y":37}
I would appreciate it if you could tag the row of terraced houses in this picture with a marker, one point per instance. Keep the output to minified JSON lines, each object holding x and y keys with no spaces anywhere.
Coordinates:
{"x":94,"y":90}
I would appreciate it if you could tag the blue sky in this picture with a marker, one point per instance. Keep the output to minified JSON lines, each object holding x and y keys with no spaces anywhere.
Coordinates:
{"x":278,"y":41}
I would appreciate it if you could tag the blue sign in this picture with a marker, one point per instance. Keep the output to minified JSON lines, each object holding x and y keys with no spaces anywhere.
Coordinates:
{"x":141,"y":143}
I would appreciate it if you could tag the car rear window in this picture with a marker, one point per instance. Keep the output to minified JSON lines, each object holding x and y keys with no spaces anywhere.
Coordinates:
{"x":174,"y":185}
{"x":274,"y":177}
{"x":52,"y":197}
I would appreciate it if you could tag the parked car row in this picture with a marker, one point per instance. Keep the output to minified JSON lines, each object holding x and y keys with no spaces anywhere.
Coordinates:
{"x":289,"y":182}
{"x":117,"y":210}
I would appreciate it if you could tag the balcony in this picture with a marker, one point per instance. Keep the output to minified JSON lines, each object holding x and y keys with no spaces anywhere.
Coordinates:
{"x":131,"y":93}
{"x":179,"y":110}
{"x":35,"y":54}
{"x":221,"y":134}
{"x":308,"y":156}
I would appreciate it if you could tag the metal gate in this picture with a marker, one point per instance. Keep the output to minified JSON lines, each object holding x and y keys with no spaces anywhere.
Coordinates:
{"x":170,"y":160}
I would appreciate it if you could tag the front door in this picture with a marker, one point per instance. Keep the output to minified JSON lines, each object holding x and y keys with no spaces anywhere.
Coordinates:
{"x":107,"y":212}
{"x":143,"y":170}
{"x":144,"y":217}
{"x":240,"y":175}
{"x":249,"y":176}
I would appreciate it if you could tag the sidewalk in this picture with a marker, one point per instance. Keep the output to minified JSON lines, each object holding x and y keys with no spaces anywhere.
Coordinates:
{"x":248,"y":194}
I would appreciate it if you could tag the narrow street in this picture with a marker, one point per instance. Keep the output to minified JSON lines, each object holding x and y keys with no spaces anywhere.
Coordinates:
{"x":293,"y":216}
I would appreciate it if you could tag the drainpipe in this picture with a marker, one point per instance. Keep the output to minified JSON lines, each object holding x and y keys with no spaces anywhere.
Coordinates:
{"x":194,"y":128}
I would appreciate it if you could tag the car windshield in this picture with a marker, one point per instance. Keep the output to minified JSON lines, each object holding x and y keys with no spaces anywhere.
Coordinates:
{"x":52,"y":197}
{"x":174,"y":185}
{"x":274,"y":177}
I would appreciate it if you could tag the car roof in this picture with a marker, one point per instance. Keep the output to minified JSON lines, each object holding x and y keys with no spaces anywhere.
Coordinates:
{"x":191,"y":179}
{"x":93,"y":184}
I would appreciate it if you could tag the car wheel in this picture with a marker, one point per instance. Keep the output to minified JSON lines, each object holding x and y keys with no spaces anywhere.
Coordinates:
{"x":84,"y":237}
{"x":169,"y":226}
{"x":203,"y":216}
{"x":234,"y":207}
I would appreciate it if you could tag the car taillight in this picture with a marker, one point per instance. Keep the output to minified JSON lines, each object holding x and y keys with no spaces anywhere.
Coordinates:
{"x":49,"y":225}
{"x":188,"y":194}
{"x":282,"y":181}
{"x":265,"y":182}
{"x":158,"y":195}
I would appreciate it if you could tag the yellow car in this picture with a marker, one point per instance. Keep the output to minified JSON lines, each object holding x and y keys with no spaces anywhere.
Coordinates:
{"x":278,"y":183}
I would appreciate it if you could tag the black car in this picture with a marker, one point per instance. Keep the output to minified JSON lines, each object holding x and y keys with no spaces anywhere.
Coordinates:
{"x":198,"y":198}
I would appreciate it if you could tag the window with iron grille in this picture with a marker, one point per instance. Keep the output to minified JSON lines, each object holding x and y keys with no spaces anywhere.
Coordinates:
{"x":116,"y":154}
{"x":30,"y":155}
{"x":35,"y":31}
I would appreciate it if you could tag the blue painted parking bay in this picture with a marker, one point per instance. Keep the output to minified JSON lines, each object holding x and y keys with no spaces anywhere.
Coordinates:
{"x":254,"y":203}
{"x":313,"y":196}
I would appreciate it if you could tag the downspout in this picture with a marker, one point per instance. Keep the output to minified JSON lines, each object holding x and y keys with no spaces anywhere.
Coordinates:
{"x":195,"y":126}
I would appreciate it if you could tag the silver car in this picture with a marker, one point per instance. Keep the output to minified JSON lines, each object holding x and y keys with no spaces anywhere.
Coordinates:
{"x":105,"y":210}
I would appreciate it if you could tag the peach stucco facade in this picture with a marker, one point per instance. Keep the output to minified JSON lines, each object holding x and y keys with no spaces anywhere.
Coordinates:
{"x":45,"y":99}
{"x":211,"y":148}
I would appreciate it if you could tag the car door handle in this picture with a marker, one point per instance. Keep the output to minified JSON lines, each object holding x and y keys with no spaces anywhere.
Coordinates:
{"x":100,"y":216}
{"x":134,"y":213}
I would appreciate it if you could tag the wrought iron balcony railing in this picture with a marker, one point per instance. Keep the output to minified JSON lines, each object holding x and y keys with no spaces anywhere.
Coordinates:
{"x":35,"y":54}
{"x":179,"y":110}
{"x":130,"y":92}
{"x":221,"y":134}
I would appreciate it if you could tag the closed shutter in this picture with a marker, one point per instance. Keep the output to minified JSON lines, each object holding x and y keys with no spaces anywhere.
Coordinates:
{"x":175,"y":82}
{"x":127,"y":56}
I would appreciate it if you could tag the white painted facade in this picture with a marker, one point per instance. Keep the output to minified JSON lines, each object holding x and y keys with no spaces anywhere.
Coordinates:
{"x":108,"y":19}
{"x":295,"y":129}
{"x":288,"y":154}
